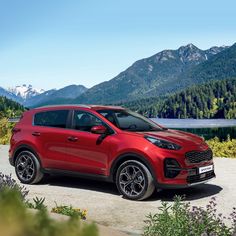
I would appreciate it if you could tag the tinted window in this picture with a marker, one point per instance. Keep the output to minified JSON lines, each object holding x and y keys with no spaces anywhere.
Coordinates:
{"x":51,"y":118}
{"x":84,"y":121}
{"x":127,"y":120}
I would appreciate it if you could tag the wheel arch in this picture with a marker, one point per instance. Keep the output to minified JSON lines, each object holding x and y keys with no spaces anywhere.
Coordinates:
{"x":126,"y":157}
{"x":24,"y":147}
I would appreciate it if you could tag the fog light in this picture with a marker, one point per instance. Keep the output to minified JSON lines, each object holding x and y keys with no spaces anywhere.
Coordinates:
{"x":192,"y":172}
{"x":171,"y":168}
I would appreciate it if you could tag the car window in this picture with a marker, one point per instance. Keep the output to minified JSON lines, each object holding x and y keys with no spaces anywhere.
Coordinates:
{"x":57,"y":118}
{"x":130,"y":121}
{"x":84,"y":121}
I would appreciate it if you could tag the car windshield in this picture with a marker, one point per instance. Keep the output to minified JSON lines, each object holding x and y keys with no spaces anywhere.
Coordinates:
{"x":130,"y":121}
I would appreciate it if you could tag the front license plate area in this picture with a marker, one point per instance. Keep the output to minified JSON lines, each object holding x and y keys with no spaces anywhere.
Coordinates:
{"x":205,"y":169}
{"x":202,"y":176}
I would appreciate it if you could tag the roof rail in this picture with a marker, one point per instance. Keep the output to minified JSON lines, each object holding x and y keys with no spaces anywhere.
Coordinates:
{"x":64,"y":105}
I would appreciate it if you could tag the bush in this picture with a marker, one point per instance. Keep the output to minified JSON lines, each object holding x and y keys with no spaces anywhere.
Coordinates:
{"x":5,"y":130}
{"x":225,"y":148}
{"x":7,"y":182}
{"x":70,"y":211}
{"x":16,"y":220}
{"x":180,"y":219}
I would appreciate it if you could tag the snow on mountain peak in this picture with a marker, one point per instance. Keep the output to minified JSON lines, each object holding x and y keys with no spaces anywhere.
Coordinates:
{"x":25,"y":91}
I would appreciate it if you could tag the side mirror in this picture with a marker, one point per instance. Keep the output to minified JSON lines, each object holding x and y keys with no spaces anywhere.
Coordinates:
{"x":99,"y":129}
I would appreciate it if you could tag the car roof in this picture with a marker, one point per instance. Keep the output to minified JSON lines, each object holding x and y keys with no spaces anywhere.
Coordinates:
{"x":92,"y":107}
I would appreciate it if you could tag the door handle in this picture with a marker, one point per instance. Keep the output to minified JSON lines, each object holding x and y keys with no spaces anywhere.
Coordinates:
{"x":36,"y":133}
{"x":72,"y":139}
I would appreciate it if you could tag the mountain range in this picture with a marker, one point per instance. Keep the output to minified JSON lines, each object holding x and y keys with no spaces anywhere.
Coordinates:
{"x":32,"y":97}
{"x":164,"y":73}
{"x":25,"y":92}
{"x":56,"y":96}
{"x":159,"y":75}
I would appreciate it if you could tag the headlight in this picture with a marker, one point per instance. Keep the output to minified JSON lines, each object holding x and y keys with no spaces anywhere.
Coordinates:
{"x":162,"y":143}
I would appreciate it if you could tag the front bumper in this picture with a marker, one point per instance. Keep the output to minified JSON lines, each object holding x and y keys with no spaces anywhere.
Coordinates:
{"x":191,"y":181}
{"x":178,"y":177}
{"x":185,"y":169}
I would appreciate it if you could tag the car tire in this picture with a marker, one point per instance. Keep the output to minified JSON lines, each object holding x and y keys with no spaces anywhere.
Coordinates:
{"x":27,"y":168}
{"x":134,"y":180}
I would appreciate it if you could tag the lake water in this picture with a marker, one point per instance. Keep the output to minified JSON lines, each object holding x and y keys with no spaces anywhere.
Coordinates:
{"x":208,"y":128}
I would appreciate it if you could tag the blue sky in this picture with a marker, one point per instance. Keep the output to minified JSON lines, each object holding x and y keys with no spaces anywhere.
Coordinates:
{"x":54,"y":43}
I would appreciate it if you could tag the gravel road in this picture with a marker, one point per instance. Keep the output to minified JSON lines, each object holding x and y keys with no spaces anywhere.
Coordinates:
{"x":107,"y":207}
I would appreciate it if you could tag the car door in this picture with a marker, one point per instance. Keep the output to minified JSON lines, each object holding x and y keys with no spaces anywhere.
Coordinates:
{"x":49,"y":132}
{"x":85,"y":153}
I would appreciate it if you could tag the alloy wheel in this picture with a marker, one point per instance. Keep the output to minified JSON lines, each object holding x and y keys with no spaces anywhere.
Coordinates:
{"x":132,"y":180}
{"x":25,"y":167}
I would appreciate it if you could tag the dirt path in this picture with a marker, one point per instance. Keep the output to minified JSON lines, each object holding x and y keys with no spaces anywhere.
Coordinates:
{"x":107,"y":207}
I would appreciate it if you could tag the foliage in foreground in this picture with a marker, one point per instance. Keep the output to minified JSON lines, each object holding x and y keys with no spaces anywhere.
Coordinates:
{"x":38,"y":204}
{"x":70,"y":211}
{"x":225,"y":148}
{"x":16,"y":220}
{"x":180,"y":219}
{"x":7,"y":182}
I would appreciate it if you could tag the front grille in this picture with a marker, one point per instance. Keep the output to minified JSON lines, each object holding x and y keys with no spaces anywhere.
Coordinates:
{"x":200,"y":177}
{"x":197,"y":157}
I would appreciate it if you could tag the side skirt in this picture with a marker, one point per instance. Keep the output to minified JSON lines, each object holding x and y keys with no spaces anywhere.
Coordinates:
{"x":77,"y":174}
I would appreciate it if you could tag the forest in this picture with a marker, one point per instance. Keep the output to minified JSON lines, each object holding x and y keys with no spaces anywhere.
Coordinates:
{"x":215,"y":99}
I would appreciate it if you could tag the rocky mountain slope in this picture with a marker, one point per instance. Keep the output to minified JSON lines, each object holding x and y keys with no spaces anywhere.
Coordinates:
{"x":157,"y":75}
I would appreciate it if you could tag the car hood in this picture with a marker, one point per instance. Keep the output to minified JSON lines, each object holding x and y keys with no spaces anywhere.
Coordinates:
{"x":177,"y":136}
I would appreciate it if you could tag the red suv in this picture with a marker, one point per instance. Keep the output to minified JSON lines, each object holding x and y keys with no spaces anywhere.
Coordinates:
{"x":108,"y":143}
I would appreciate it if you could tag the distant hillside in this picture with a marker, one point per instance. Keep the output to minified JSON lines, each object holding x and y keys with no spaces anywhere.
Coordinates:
{"x":215,"y":99}
{"x":157,"y":75}
{"x":53,"y":96}
{"x":32,"y":97}
{"x":9,"y":107}
{"x":162,"y":74}
{"x":220,"y":66}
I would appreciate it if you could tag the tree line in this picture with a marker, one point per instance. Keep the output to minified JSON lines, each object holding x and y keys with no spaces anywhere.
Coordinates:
{"x":9,"y":108}
{"x":215,"y":99}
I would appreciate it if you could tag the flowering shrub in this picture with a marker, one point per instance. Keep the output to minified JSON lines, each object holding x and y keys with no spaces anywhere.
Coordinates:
{"x":6,"y":181}
{"x":180,"y":219}
{"x":225,"y":148}
{"x":5,"y":130}
{"x":70,"y":211}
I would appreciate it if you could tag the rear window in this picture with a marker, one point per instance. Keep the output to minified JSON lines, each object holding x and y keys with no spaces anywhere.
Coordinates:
{"x":56,"y":118}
